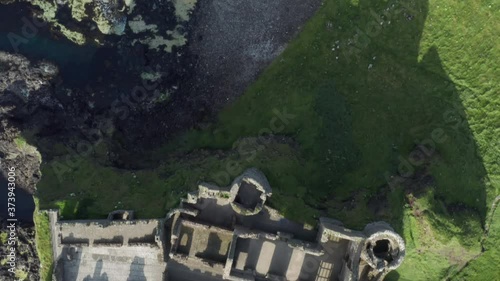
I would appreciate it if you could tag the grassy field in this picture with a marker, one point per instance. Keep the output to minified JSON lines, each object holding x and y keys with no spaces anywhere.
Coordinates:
{"x":43,"y":243}
{"x":485,"y":266}
{"x":376,"y":111}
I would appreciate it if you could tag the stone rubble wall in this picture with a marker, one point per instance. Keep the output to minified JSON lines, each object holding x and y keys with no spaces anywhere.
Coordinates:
{"x":125,"y":214}
{"x":207,"y":191}
{"x":230,"y":257}
{"x":191,"y":262}
{"x":306,"y":247}
{"x":184,"y":210}
{"x":90,"y":232}
{"x":211,"y":191}
{"x":360,"y":247}
{"x":206,"y":227}
{"x":330,"y":230}
{"x":240,"y":275}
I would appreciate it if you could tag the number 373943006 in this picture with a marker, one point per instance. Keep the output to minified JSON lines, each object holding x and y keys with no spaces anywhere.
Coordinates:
{"x":11,"y":186}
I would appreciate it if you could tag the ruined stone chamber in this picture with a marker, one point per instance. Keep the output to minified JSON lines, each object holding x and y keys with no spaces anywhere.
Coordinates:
{"x":108,"y":250}
{"x":223,"y":233}
{"x":229,"y":233}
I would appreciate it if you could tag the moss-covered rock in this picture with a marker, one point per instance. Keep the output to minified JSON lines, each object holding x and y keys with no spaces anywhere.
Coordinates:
{"x":183,"y":8}
{"x":160,"y":26}
{"x":109,"y":16}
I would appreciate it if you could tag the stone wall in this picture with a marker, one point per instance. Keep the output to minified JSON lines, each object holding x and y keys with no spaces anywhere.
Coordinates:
{"x":366,"y":255}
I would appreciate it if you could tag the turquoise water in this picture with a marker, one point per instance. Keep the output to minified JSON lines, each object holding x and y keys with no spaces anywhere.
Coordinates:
{"x":73,"y":62}
{"x":77,"y":64}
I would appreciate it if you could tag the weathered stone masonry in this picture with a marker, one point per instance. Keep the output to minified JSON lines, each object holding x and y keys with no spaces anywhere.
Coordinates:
{"x":222,"y":233}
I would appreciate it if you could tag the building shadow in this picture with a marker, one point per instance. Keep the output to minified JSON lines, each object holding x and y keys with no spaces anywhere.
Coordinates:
{"x":179,"y":272}
{"x":137,"y":270}
{"x":98,"y":274}
{"x":185,"y":240}
{"x":213,"y":250}
{"x":412,"y":102}
{"x":247,"y":254}
{"x":281,"y":259}
{"x":71,"y":239}
{"x":403,"y":134}
{"x":117,"y":239}
{"x":212,"y":212}
{"x":67,"y":265}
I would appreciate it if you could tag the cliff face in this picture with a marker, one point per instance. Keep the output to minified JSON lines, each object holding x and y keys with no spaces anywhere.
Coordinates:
{"x":26,"y":104}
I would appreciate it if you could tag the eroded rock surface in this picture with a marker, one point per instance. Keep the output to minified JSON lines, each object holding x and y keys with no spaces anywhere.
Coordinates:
{"x":25,"y":100}
{"x":27,"y":263}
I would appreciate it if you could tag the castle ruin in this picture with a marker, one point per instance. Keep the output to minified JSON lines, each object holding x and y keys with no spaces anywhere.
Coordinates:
{"x":222,"y":233}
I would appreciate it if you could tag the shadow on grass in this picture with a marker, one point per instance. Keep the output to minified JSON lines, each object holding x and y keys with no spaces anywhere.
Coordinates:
{"x":393,"y":118}
{"x":376,"y":119}
{"x":401,"y":144}
{"x":71,"y":209}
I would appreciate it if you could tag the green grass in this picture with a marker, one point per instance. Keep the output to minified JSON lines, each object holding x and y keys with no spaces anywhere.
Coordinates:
{"x":423,"y":261}
{"x":92,"y":191}
{"x":3,"y":237}
{"x":20,"y":142}
{"x":360,"y":104}
{"x":437,"y":245}
{"x":43,"y":243}
{"x":353,"y":122}
{"x":485,"y":266}
{"x":21,"y":274}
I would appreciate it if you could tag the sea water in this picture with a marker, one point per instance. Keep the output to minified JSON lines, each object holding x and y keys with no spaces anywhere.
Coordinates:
{"x":77,"y":64}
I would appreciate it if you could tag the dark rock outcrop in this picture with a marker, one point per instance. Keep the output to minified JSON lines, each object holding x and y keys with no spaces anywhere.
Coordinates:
{"x":26,"y":103}
{"x":27,"y":262}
